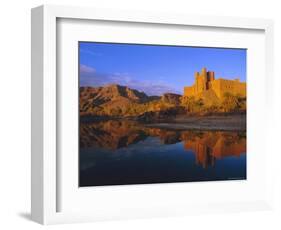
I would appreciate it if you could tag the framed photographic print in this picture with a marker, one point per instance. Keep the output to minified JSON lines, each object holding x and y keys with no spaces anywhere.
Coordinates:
{"x":139,"y":118}
{"x":138,"y":114}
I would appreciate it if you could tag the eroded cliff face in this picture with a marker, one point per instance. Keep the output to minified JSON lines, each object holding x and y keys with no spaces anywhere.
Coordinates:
{"x":110,"y":99}
{"x":114,"y":100}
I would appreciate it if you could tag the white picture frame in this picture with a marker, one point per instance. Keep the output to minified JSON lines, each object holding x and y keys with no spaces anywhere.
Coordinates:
{"x":45,"y":108}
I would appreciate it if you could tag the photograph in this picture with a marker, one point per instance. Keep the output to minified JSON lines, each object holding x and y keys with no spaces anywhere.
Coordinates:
{"x":152,"y":113}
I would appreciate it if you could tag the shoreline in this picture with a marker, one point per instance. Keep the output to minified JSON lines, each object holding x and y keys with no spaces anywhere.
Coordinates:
{"x":234,"y":122}
{"x":215,"y":123}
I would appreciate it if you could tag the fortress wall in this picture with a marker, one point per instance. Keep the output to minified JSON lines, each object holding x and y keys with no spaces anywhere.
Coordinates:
{"x":241,"y":89}
{"x":216,"y":86}
{"x":189,"y":91}
{"x":222,"y":86}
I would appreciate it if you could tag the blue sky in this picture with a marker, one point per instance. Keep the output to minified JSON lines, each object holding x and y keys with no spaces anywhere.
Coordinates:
{"x":155,"y":69}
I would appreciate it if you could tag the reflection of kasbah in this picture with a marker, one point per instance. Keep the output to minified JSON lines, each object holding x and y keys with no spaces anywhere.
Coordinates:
{"x":212,"y":146}
{"x":205,"y":81}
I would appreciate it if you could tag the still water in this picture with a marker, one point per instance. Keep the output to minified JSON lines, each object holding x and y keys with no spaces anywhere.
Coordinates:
{"x":126,"y":152}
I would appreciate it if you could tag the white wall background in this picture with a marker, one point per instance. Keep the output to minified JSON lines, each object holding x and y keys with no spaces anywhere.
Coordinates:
{"x":15,"y":112}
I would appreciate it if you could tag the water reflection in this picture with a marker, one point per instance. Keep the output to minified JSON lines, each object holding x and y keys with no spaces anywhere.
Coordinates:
{"x":209,"y":146}
{"x":117,"y":144}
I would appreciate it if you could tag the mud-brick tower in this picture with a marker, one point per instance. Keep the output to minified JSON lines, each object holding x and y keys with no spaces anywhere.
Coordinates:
{"x":203,"y":80}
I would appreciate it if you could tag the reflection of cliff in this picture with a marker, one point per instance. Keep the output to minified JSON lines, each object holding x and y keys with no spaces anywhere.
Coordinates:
{"x":207,"y":146}
{"x":110,"y":134}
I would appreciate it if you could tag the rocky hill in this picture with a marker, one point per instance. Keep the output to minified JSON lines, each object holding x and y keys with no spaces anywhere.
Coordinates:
{"x":111,"y":100}
{"x":171,"y":98}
